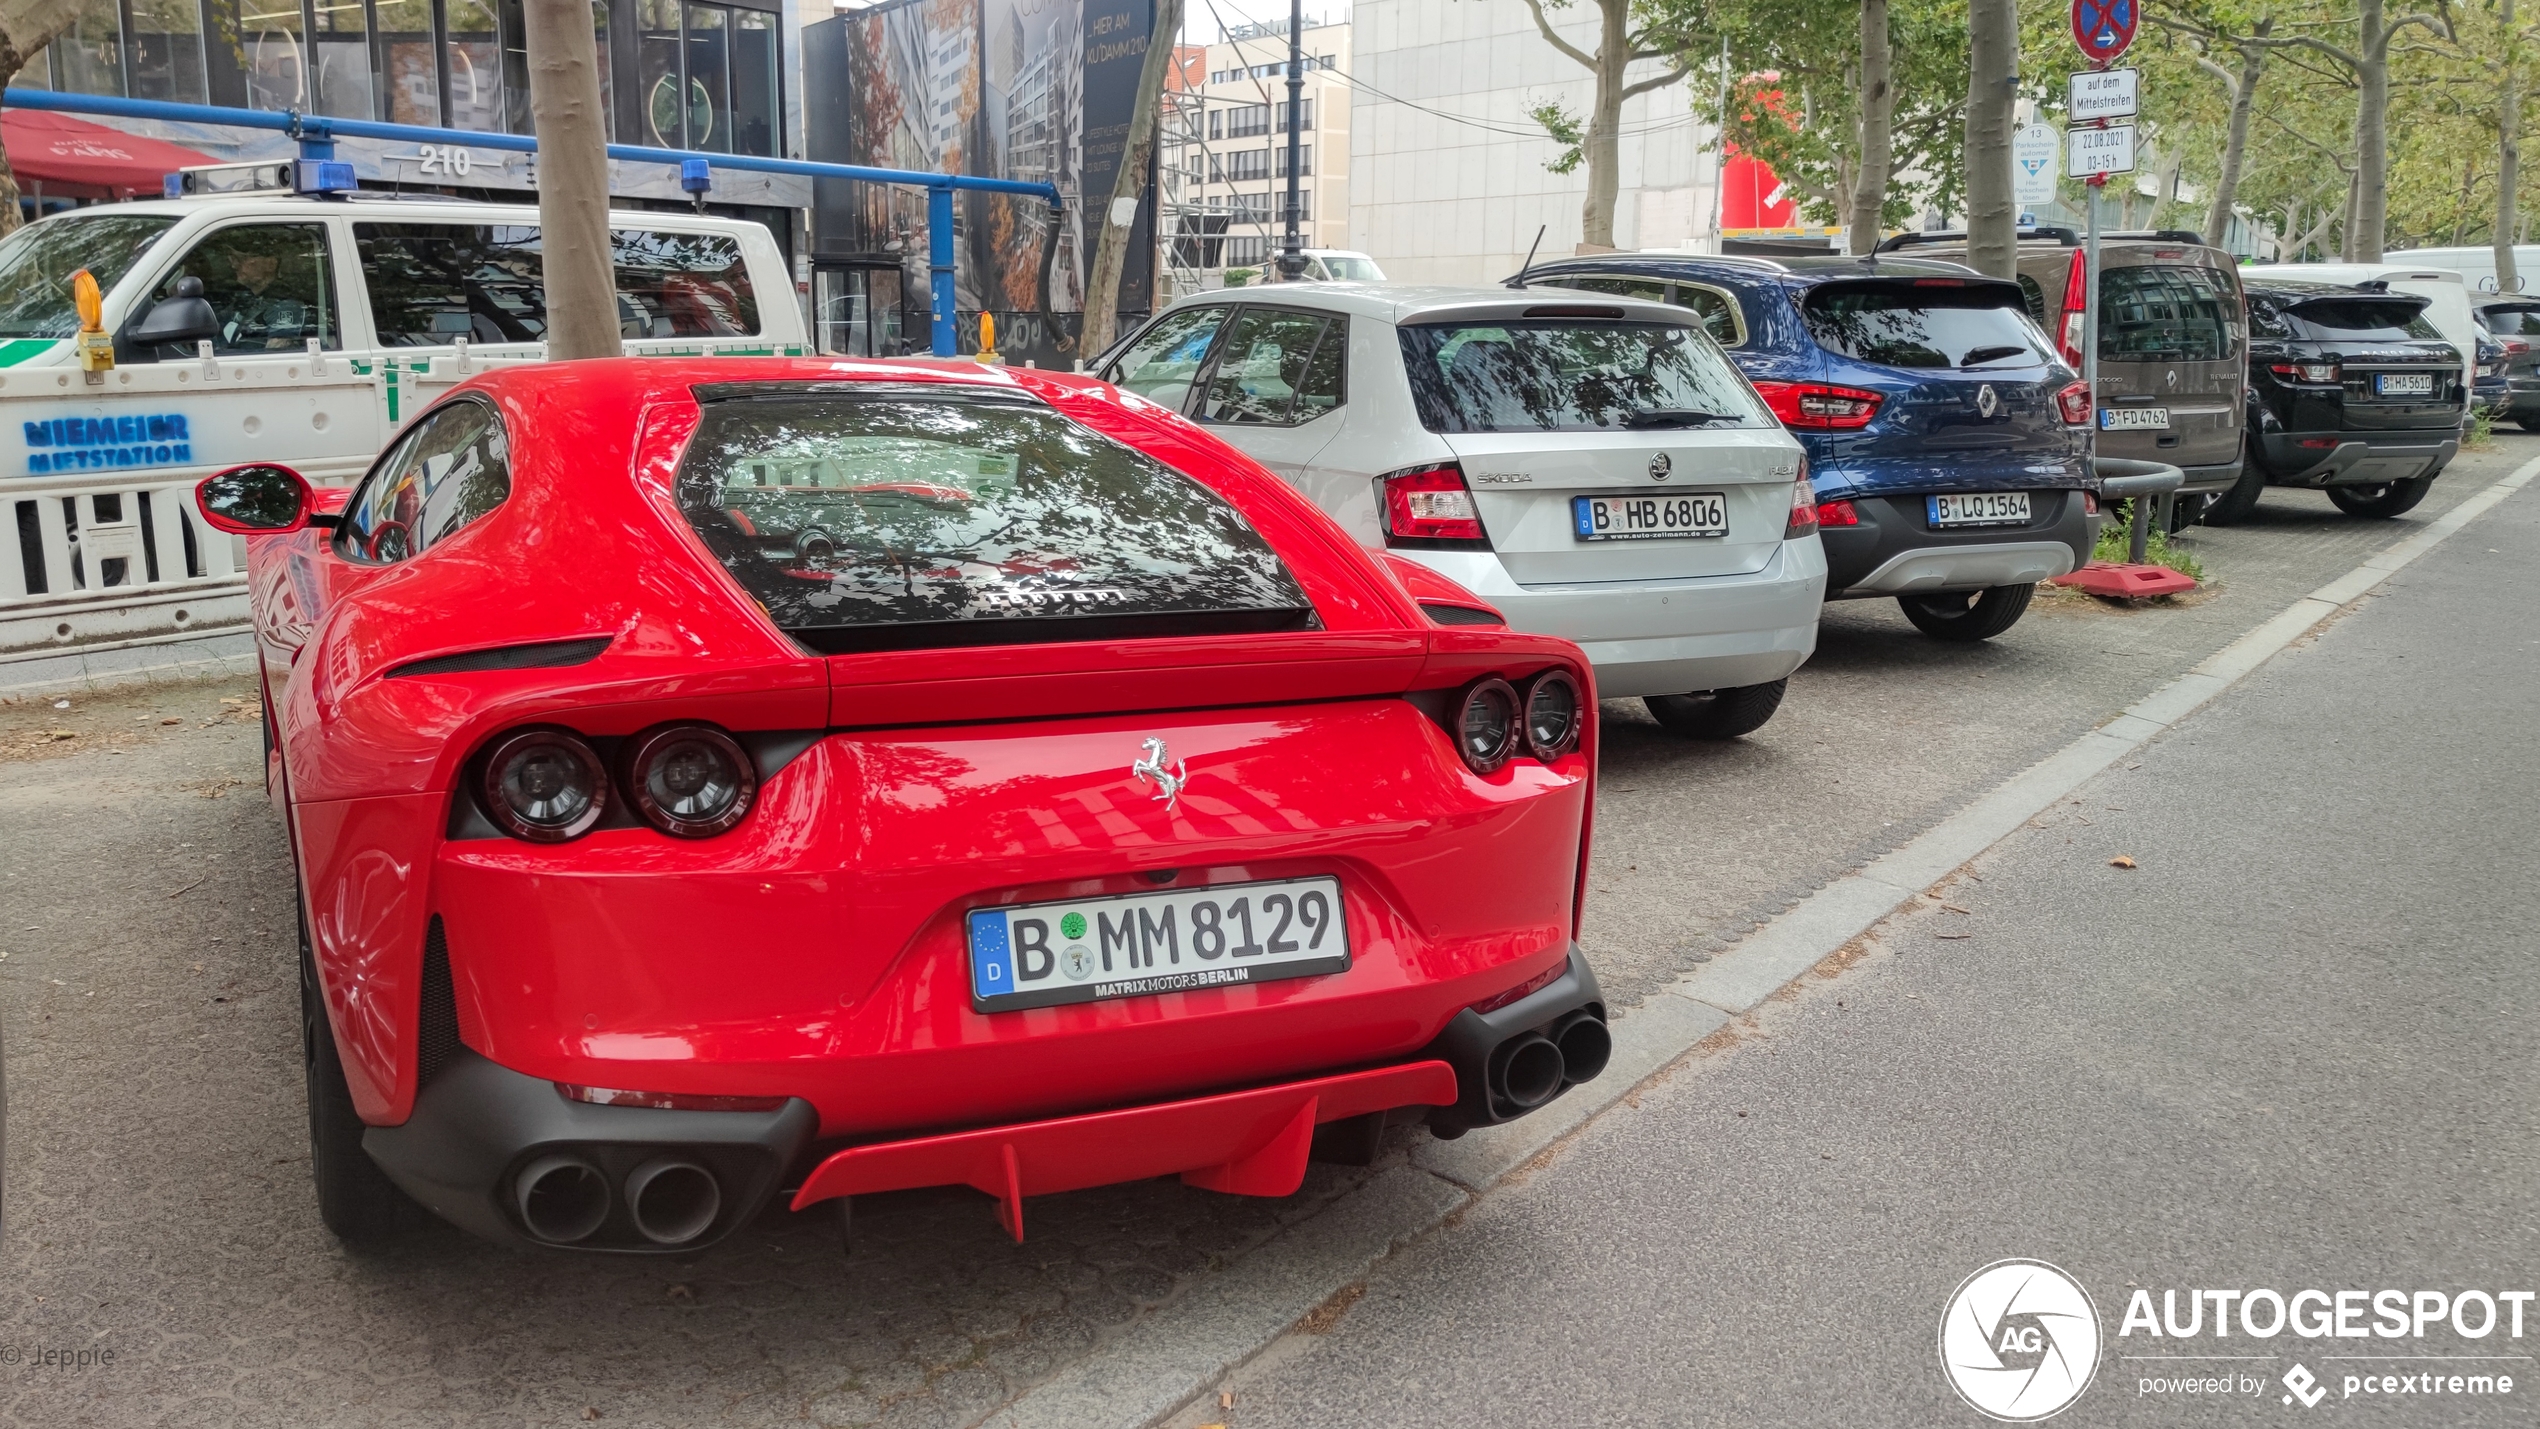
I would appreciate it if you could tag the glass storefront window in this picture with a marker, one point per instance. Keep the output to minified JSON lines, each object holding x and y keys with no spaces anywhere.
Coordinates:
{"x":341,"y":56}
{"x":167,"y":51}
{"x":657,"y":51}
{"x":275,"y":57}
{"x":709,"y":80}
{"x":476,"y":67}
{"x":89,"y":59}
{"x":755,"y":123}
{"x":406,"y":62}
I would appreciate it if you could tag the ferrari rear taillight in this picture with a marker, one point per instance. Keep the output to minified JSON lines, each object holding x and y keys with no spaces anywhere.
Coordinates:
{"x":1486,"y":724}
{"x":1552,"y":715}
{"x":2076,"y":304}
{"x":544,"y":785}
{"x":1817,"y":407}
{"x":689,"y":780}
{"x":1431,"y":503}
{"x":2073,"y":401}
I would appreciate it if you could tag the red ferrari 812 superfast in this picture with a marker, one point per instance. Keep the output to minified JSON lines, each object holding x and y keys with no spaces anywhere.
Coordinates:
{"x":718,"y":780}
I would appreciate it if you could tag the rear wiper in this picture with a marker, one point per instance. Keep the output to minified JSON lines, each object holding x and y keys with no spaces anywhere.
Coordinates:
{"x":1674,"y":417}
{"x":1991,"y":354}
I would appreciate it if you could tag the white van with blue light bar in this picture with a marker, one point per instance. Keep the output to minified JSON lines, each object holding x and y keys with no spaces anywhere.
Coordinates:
{"x":271,"y":314}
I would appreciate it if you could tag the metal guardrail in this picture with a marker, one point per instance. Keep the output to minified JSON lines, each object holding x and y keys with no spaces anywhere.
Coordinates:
{"x":316,"y":135}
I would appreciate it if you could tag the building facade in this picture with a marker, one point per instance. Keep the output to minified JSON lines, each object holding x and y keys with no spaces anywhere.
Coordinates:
{"x":713,"y":75}
{"x":1450,"y":176}
{"x":1224,"y":152}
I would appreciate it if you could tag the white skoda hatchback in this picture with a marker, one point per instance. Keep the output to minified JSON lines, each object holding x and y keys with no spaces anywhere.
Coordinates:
{"x":1594,"y":467}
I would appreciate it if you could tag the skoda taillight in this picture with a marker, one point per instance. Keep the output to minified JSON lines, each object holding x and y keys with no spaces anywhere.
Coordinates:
{"x":1430,"y":504}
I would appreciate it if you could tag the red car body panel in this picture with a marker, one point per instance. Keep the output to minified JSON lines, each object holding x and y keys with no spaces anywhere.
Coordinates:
{"x":816,"y":950}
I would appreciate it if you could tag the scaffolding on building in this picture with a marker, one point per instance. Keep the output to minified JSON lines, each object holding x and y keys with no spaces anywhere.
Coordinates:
{"x":1190,"y":229}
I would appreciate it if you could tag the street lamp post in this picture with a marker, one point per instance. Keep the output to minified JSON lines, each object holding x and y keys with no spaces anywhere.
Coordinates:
{"x":1292,"y":244}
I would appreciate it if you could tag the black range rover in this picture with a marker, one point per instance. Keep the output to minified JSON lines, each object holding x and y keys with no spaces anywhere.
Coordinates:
{"x":2351,"y":392}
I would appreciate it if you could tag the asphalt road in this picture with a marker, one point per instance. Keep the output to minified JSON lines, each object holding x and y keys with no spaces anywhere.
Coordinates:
{"x":158,"y":1208}
{"x":2291,"y":1049}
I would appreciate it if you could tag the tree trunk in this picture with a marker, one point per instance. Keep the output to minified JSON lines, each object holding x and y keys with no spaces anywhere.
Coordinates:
{"x":26,"y":27}
{"x":1605,"y":119}
{"x":1111,"y":251}
{"x":1993,"y":68}
{"x":2244,"y":97}
{"x":573,"y":180}
{"x":2372,"y":140}
{"x":2508,"y":152}
{"x":2346,"y":245}
{"x":1878,"y":137}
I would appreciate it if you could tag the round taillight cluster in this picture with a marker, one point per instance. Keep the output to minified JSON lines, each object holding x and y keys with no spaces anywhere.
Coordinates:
{"x":548,"y":785}
{"x":1493,"y":720}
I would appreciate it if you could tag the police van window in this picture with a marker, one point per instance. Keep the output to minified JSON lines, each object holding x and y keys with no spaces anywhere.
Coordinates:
{"x":452,"y":467}
{"x":431,"y":283}
{"x":270,"y":284}
{"x":37,"y":261}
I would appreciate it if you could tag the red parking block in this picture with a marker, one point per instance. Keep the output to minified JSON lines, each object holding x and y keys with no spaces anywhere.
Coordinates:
{"x":2126,"y":582}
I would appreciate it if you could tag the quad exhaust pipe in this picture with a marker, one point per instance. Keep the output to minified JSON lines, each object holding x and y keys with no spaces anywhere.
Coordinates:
{"x":1513,"y":1059}
{"x":564,"y":1199}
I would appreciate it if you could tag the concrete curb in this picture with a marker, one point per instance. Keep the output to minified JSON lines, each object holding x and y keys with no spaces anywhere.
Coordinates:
{"x":160,"y":659}
{"x":1154,"y":1369}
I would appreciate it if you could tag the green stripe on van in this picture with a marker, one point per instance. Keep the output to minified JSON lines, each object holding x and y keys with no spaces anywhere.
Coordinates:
{"x":20,"y":349}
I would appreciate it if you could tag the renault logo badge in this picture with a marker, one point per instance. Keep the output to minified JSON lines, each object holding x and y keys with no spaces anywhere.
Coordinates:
{"x":1659,"y":466}
{"x":1987,"y":402}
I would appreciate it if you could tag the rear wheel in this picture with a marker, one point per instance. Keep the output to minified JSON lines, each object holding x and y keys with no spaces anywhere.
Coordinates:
{"x":2232,"y":507}
{"x":1717,"y":714}
{"x":2383,"y":501}
{"x":2185,"y":511}
{"x":355,"y":1198}
{"x":1968,"y":614}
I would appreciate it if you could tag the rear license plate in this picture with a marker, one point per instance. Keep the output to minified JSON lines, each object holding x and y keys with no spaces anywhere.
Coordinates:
{"x":1041,"y":954}
{"x":2404,"y":384}
{"x":2134,"y":419}
{"x":1675,"y":516}
{"x":1979,"y":508}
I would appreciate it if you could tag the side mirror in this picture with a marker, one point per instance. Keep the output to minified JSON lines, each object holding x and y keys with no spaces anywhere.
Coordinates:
{"x":261,"y":499}
{"x":183,"y":317}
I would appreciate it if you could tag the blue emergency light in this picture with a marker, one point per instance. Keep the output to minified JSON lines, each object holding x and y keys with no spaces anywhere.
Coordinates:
{"x":696,"y":176}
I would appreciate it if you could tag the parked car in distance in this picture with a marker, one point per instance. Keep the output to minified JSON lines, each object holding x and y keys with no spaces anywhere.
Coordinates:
{"x":2352,"y":392}
{"x":2171,"y":373}
{"x":2447,"y":296}
{"x":2515,"y":322}
{"x":1943,"y":433}
{"x":1590,"y":467}
{"x":2477,"y":267}
{"x":2493,"y":392}
{"x":1087,"y":808}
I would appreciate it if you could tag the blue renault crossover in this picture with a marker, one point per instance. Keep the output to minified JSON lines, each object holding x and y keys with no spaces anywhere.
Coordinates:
{"x":1946,"y":440}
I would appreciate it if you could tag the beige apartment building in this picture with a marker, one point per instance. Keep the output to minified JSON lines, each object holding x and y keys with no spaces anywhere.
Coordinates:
{"x":1223,"y":156}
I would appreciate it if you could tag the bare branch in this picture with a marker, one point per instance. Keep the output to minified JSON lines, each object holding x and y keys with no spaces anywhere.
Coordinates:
{"x":1544,"y":23}
{"x":1660,"y":81}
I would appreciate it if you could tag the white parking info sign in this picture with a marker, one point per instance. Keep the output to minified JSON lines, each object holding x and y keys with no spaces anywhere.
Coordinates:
{"x":2099,"y":151}
{"x":2101,"y":94}
{"x":2033,"y":164}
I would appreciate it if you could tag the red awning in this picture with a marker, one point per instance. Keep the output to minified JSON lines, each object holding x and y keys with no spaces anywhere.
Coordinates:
{"x":79,"y":159}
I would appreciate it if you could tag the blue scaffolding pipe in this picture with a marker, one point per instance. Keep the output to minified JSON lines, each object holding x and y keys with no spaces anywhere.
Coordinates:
{"x":316,"y":135}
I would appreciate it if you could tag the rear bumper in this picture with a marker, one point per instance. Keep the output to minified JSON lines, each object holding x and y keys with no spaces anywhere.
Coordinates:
{"x":2359,"y":458}
{"x":2209,"y":480}
{"x":1896,"y":551}
{"x":1666,"y":637}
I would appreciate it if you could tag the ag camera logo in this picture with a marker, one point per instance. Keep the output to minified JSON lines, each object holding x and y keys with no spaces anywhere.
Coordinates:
{"x":2019,"y":1341}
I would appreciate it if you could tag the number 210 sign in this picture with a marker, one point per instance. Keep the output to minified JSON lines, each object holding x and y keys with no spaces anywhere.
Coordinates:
{"x":2104,"y":28}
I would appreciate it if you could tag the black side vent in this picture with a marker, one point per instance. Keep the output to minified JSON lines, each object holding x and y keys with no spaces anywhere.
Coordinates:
{"x":1459,"y":615}
{"x":544,"y":655}
{"x":437,"y":1029}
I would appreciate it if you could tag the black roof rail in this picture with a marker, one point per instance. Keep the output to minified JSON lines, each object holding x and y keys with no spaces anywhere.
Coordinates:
{"x":2159,"y":235}
{"x":2069,"y":237}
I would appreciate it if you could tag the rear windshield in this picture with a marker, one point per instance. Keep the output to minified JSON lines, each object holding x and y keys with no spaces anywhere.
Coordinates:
{"x":431,"y":283}
{"x":37,"y":261}
{"x":2164,"y":313}
{"x":2361,"y":319}
{"x":1933,"y":323}
{"x":2511,"y":322}
{"x":894,"y":518}
{"x":1569,"y":375}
